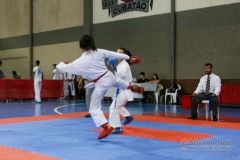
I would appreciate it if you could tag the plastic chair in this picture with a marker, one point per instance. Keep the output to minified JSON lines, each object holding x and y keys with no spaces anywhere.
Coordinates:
{"x":206,"y":106}
{"x":160,"y":87}
{"x":173,"y":96}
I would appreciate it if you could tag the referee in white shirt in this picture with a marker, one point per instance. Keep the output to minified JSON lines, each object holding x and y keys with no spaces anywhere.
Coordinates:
{"x":209,"y":85}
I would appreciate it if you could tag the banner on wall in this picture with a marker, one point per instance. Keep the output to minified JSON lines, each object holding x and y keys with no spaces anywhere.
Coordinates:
{"x":115,"y":9}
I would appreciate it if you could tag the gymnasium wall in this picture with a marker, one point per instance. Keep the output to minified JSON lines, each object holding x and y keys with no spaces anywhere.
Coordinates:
{"x":207,"y":31}
{"x":57,"y":27}
{"x":14,"y":23}
{"x":57,"y":30}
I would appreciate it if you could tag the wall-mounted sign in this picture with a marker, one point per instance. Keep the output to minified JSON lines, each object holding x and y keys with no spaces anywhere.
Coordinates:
{"x":129,"y":5}
{"x":106,"y":4}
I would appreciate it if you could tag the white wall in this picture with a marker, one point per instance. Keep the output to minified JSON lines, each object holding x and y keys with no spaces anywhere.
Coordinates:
{"x":101,"y":16}
{"x":159,"y":7}
{"x":182,"y":5}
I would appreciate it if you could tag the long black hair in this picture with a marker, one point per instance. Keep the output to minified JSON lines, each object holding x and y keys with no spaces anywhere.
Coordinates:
{"x":127,"y":52}
{"x":87,"y":42}
{"x":155,"y":74}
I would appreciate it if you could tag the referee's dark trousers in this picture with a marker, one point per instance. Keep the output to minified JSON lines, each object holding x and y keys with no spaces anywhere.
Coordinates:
{"x":202,"y":96}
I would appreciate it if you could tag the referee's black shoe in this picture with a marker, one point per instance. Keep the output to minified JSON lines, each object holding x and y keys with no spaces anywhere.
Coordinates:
{"x":215,"y":118}
{"x":193,"y":117}
{"x":87,"y":115}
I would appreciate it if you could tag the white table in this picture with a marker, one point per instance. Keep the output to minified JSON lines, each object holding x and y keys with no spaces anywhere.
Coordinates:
{"x":148,"y":86}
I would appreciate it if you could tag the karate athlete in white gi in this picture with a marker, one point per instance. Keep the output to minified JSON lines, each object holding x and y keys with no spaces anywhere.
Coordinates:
{"x":117,"y":107}
{"x":91,"y":65}
{"x":38,"y":76}
{"x":56,"y":73}
{"x":69,"y":82}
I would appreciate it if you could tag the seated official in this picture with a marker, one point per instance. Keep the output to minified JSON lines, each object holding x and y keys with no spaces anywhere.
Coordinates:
{"x":16,"y":75}
{"x":142,"y":78}
{"x":155,"y":80}
{"x":209,"y":86}
{"x":1,"y":71}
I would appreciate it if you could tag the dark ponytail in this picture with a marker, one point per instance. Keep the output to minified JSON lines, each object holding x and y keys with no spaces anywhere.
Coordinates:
{"x":87,"y":43}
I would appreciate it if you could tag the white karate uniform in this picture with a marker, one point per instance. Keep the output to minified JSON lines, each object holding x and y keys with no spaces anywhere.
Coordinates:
{"x":67,"y":83}
{"x":61,"y":75}
{"x":124,"y":73}
{"x":56,"y":74}
{"x":38,"y":72}
{"x":91,"y":65}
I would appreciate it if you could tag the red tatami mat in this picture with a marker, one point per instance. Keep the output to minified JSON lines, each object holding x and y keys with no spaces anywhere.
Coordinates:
{"x":157,"y":134}
{"x":41,"y":118}
{"x":205,"y":123}
{"x":7,"y":153}
{"x":146,"y":118}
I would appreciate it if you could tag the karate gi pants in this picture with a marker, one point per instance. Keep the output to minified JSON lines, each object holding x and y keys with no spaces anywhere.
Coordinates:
{"x":37,"y":90}
{"x":119,"y":109}
{"x":72,"y":88}
{"x":101,"y":87}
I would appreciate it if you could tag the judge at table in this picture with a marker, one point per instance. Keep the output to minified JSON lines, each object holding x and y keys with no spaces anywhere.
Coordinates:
{"x":142,"y":78}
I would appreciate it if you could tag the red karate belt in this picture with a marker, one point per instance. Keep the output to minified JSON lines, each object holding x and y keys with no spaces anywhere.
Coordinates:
{"x":95,"y":80}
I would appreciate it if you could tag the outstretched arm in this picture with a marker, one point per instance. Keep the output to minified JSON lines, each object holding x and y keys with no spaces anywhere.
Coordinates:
{"x":74,"y":67}
{"x":111,"y":54}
